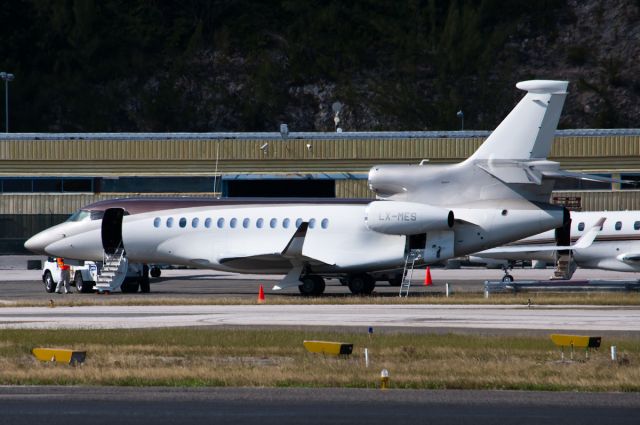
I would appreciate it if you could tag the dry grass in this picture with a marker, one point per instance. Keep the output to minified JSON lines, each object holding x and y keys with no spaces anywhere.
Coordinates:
{"x":537,"y":298}
{"x":199,"y":357}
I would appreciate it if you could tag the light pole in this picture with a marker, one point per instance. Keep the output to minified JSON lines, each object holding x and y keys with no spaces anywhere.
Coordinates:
{"x":460,"y":115}
{"x":6,"y":77}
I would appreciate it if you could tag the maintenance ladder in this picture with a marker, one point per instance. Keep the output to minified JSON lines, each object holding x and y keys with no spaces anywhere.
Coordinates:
{"x":407,"y":274}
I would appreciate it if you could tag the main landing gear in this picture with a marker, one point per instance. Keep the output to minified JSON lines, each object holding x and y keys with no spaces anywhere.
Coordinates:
{"x":361,"y":284}
{"x":312,"y":285}
{"x":507,"y":277}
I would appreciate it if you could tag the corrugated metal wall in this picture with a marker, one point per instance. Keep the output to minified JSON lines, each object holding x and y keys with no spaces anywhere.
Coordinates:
{"x":353,"y":189}
{"x":198,"y":157}
{"x":63,"y":203}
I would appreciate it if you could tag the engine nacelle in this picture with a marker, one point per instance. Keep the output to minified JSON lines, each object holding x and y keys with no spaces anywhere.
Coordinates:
{"x":406,"y":218}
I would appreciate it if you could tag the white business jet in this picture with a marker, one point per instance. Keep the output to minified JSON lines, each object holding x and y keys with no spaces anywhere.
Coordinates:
{"x":616,"y":246}
{"x":496,"y":196}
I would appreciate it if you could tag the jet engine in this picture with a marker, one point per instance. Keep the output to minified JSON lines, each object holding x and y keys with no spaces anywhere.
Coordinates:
{"x":406,"y":218}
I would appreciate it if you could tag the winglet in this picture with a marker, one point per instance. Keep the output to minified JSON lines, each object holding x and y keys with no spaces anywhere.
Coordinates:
{"x":589,"y":236}
{"x":294,"y":247}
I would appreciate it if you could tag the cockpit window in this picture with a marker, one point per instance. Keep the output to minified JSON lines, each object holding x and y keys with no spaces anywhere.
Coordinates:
{"x":97,"y":215}
{"x":83,"y":215}
{"x":80,"y":215}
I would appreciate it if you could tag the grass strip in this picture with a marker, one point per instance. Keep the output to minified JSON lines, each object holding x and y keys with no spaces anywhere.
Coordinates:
{"x":465,"y":298}
{"x":276,"y":358}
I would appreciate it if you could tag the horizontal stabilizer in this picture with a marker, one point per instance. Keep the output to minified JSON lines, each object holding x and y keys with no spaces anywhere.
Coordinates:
{"x":561,"y":174}
{"x":510,"y":171}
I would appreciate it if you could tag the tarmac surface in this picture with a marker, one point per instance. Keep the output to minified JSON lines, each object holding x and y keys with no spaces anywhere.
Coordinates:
{"x":19,"y":285}
{"x":263,"y":406}
{"x":491,"y":317}
{"x":124,"y":405}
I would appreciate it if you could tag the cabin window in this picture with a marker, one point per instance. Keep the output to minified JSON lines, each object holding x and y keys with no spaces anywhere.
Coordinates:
{"x":233,"y":223}
{"x":183,"y":222}
{"x":298,"y":222}
{"x":285,"y":223}
{"x":260,"y":223}
{"x":618,"y":225}
{"x":325,"y":223}
{"x":245,"y":223}
{"x":170,"y":222}
{"x":194,"y":222}
{"x":220,"y":223}
{"x":580,"y":226}
{"x":312,"y":223}
{"x":207,"y":223}
{"x":273,"y":223}
{"x":636,"y":225}
{"x":156,"y":222}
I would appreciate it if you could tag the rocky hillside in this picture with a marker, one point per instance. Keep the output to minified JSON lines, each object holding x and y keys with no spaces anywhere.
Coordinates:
{"x":243,"y":65}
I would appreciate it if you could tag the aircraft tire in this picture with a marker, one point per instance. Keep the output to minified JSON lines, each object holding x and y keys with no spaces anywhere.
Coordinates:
{"x":312,"y":286}
{"x":507,"y":278}
{"x":395,"y":280}
{"x":319,"y":285}
{"x":361,"y":284}
{"x":145,"y":286}
{"x":81,"y":285}
{"x":155,"y":271}
{"x":307,"y":288}
{"x":49,"y":284}
{"x":130,"y":287}
{"x":370,"y":284}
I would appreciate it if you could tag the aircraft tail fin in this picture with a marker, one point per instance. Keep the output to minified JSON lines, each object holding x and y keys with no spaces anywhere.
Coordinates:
{"x":528,"y":131}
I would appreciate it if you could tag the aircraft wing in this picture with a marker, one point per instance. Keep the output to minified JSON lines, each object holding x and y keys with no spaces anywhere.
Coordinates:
{"x":341,"y":248}
{"x":584,"y":242}
{"x":269,"y":259}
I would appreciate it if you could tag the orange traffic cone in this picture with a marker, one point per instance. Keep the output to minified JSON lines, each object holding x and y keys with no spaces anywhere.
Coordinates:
{"x":427,"y":277}
{"x":261,"y":299}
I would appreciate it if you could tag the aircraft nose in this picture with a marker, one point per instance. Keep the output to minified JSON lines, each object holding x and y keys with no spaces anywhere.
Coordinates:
{"x":39,"y":241}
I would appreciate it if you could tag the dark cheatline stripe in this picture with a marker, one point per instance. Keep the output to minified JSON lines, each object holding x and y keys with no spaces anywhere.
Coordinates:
{"x":143,"y":205}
